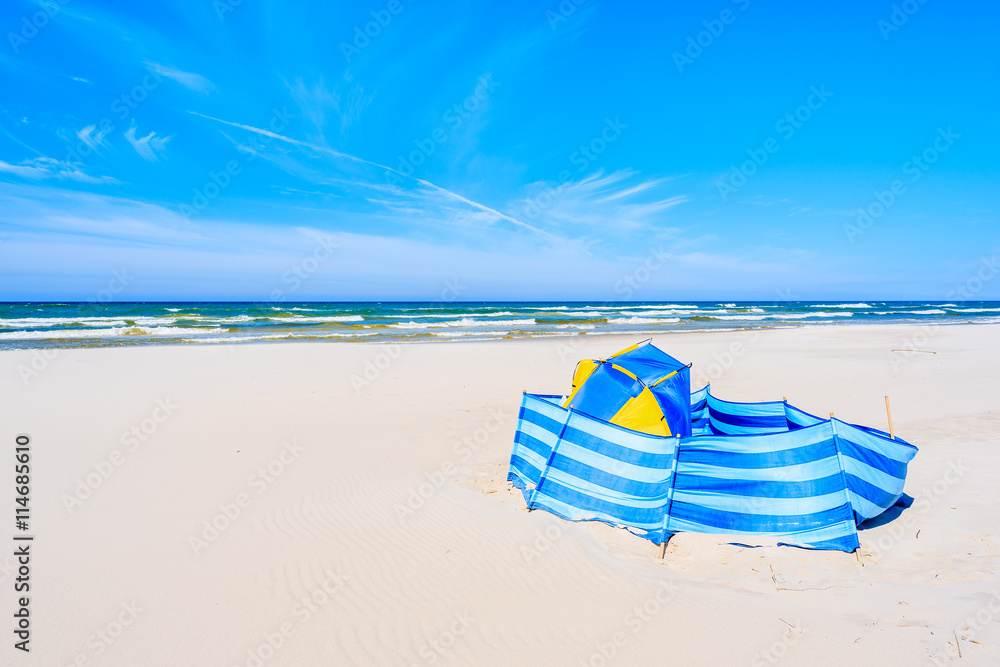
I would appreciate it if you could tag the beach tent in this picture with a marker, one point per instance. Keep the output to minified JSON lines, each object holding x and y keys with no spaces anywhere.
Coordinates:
{"x":640,"y":388}
{"x":767,"y":472}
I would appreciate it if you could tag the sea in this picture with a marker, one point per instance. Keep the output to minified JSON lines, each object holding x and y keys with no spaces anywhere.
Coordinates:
{"x":71,"y":325}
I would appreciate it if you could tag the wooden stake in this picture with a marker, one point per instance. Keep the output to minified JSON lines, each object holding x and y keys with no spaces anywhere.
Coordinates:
{"x":831,"y":415}
{"x":784,"y":399}
{"x":888,"y":414}
{"x":663,"y":550}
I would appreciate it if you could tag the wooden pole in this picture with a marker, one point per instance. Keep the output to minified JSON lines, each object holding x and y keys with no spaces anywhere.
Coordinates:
{"x":784,"y":399}
{"x":663,"y":549}
{"x":888,"y":413}
{"x":831,"y":415}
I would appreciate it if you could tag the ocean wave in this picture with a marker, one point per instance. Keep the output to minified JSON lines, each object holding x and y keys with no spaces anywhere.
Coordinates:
{"x":108,"y":333}
{"x":464,"y":322}
{"x":36,"y":322}
{"x":797,"y":316}
{"x":299,"y":319}
{"x":549,"y":321}
{"x":503,"y":313}
{"x":643,"y":320}
{"x":933,"y":311}
{"x":417,"y":325}
{"x":841,"y":305}
{"x":757,"y":317}
{"x":975,"y":310}
{"x":720,"y":311}
{"x":277,"y":336}
{"x":466,"y":334}
{"x":662,"y":306}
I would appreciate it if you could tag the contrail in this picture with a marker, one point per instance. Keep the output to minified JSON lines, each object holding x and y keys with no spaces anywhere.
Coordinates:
{"x":348,"y":156}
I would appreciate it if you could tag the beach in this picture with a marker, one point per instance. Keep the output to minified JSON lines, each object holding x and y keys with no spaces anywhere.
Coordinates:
{"x":302,"y":503}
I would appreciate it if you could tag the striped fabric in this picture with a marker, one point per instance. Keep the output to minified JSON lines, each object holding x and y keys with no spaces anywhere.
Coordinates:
{"x":758,"y":470}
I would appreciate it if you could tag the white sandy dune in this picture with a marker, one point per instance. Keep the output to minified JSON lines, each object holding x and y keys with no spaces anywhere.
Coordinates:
{"x":263,"y":510}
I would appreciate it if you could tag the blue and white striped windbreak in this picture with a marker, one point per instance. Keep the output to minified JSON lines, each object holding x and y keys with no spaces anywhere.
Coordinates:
{"x":748,"y":469}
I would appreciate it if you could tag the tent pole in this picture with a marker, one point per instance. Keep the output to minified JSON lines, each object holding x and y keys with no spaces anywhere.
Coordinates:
{"x":888,"y":413}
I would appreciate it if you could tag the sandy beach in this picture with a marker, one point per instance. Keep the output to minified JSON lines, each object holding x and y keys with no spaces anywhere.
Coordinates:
{"x":292,"y":504}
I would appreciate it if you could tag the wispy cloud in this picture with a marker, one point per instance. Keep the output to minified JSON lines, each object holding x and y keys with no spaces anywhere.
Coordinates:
{"x":195,"y":82}
{"x":401,"y":176}
{"x":41,"y":168}
{"x":149,"y":147}
{"x":93,"y":138}
{"x":628,"y":192}
{"x":614,"y":203}
{"x":317,"y":102}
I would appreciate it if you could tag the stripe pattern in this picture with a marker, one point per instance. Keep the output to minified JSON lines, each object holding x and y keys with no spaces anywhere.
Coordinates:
{"x":758,"y":470}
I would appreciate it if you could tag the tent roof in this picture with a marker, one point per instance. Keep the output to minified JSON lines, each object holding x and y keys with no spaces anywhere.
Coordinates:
{"x":647,"y":362}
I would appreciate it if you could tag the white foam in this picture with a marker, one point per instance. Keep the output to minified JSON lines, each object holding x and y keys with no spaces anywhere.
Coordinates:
{"x":798,"y":316}
{"x":464,"y":322}
{"x":85,"y":321}
{"x":108,"y":333}
{"x":643,"y":320}
{"x":662,"y":306}
{"x":933,"y":311}
{"x":299,"y":319}
{"x":976,"y":310}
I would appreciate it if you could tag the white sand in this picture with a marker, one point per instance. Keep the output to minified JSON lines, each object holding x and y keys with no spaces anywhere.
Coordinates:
{"x":466,"y":576}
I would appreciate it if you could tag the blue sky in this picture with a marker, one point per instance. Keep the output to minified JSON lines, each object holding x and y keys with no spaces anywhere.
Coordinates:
{"x":385,"y":150}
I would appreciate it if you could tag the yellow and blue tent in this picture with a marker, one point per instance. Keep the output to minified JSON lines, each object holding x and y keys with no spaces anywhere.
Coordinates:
{"x":641,"y":388}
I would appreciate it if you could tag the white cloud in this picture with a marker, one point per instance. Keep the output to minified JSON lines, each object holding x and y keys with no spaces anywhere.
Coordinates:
{"x":92,"y":138}
{"x":45,"y":167}
{"x":424,"y":185}
{"x":195,"y":82}
{"x":148,"y":147}
{"x":601,"y":202}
